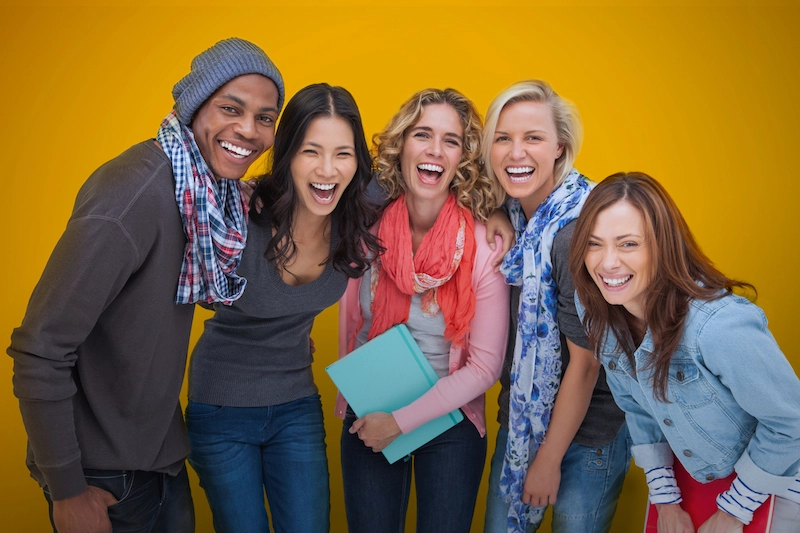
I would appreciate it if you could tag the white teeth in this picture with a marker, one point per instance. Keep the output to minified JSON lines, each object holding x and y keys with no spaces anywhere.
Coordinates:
{"x":519,"y":174}
{"x":616,"y":282}
{"x":323,"y":186}
{"x":432,"y":168}
{"x":238,"y":151}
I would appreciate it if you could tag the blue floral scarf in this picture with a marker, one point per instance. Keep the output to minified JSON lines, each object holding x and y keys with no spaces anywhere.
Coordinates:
{"x":536,"y":369}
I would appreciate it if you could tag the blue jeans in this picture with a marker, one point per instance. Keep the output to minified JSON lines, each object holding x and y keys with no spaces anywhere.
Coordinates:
{"x":148,"y":502}
{"x":240,"y":452}
{"x":591,"y":482}
{"x":447,"y":474}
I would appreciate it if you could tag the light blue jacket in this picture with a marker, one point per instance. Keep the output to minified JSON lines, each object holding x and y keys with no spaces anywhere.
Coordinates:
{"x":734,"y":399}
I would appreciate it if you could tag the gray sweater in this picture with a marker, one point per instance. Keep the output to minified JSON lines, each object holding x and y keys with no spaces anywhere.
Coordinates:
{"x":100,"y":356}
{"x":255,"y":352}
{"x":604,"y":418}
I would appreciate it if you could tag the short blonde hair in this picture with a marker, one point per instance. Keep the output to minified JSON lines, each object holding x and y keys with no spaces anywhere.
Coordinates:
{"x":471,"y":187}
{"x":569,"y":129}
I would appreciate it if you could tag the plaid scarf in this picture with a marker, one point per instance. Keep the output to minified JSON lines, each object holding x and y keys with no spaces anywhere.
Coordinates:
{"x":215,"y":236}
{"x":536,"y":369}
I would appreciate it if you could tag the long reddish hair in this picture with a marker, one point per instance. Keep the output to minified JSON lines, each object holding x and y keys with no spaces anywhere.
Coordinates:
{"x":680,"y":272}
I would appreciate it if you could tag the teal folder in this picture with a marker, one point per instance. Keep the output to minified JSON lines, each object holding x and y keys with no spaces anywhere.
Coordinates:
{"x":385,"y":374}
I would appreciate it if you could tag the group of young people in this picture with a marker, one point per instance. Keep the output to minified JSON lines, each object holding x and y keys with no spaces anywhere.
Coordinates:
{"x":610,"y":331}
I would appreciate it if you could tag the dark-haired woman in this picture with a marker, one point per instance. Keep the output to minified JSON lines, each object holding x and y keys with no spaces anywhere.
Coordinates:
{"x":254,"y":415}
{"x":694,"y":366}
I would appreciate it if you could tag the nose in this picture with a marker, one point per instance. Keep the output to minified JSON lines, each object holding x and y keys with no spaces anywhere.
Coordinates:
{"x":610,"y":259}
{"x":517,"y":150}
{"x":326,"y":168}
{"x":435,"y":147}
{"x":246,"y":126}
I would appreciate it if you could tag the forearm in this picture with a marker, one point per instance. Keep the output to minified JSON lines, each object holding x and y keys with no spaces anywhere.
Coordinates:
{"x":448,"y":394}
{"x":572,"y":402}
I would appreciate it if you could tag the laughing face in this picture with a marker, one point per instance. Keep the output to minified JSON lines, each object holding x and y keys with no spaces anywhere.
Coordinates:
{"x":524,"y":152}
{"x":237,"y":124}
{"x":618,"y":257}
{"x":432,"y":150}
{"x":324,"y":165}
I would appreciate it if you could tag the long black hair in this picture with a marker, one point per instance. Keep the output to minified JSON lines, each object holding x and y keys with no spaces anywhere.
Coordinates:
{"x":356,"y":213}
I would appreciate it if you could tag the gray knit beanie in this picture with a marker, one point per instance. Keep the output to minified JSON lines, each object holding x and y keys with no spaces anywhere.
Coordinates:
{"x":217,"y":66}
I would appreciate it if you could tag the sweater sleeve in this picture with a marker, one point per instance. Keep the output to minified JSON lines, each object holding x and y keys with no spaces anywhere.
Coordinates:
{"x":481,"y":366}
{"x":88,"y":267}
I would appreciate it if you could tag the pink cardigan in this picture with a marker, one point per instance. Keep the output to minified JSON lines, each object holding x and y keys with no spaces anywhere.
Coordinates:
{"x":473,"y":368}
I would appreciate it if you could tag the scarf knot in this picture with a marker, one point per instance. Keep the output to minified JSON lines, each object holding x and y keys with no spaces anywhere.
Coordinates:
{"x":214,"y":216}
{"x":536,"y":368}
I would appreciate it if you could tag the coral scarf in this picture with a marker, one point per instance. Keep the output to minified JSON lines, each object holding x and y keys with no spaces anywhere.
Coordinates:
{"x":441,"y":269}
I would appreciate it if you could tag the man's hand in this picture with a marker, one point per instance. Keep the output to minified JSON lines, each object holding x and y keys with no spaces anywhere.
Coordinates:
{"x":377,"y":430}
{"x":673,"y":519}
{"x":85,"y":513}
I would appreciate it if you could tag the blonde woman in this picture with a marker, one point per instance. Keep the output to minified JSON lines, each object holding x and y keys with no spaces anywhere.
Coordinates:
{"x":562,"y":440}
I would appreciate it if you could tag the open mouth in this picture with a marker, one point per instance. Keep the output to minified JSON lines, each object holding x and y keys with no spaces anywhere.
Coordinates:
{"x":323,"y":192}
{"x":519,"y":174}
{"x":430,"y":174}
{"x":614,"y":283}
{"x":237,"y":152}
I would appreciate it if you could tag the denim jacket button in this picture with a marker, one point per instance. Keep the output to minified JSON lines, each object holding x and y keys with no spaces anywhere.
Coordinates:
{"x":598,"y":451}
{"x":710,"y":477}
{"x":679,"y":375}
{"x":612,"y":365}
{"x":687,"y":453}
{"x":667,"y":422}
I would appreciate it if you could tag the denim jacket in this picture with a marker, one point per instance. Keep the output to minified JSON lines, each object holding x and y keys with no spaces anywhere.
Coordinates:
{"x":734,"y":399}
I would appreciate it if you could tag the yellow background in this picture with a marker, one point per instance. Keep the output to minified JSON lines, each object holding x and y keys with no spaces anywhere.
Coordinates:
{"x":704,"y":98}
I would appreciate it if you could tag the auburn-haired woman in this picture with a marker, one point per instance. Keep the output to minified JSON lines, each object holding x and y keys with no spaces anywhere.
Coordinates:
{"x":694,"y":366}
{"x":437,"y":277}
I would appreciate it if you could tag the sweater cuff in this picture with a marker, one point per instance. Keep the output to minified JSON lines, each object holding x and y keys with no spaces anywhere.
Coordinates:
{"x":405,"y":419}
{"x":64,"y":481}
{"x":741,"y":501}
{"x":662,"y":486}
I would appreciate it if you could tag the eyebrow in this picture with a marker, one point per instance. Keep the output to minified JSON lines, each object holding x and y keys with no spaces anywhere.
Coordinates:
{"x":619,"y":238}
{"x":524,"y":133}
{"x":317,"y":145}
{"x":243,"y":104}
{"x":429,"y":129}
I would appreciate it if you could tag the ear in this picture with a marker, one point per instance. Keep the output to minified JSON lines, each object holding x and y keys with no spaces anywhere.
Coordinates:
{"x":560,"y":151}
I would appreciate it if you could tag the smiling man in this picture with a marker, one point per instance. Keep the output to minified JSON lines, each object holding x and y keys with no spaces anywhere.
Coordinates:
{"x":99,"y":358}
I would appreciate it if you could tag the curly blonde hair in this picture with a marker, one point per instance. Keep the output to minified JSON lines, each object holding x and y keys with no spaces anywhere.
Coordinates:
{"x":470,"y":186}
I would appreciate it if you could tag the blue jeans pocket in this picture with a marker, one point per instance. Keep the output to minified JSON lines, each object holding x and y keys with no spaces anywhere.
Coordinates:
{"x":118,"y":482}
{"x":138,"y":497}
{"x":198,"y":410}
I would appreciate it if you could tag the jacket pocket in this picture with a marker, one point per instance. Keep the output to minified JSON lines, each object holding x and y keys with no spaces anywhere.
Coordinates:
{"x":687,"y":386}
